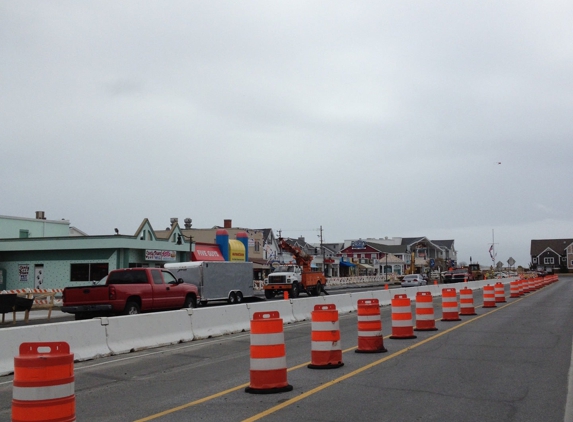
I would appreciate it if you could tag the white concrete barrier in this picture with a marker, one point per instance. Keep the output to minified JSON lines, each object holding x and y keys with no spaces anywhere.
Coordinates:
{"x":135,"y":332}
{"x":284,"y":307}
{"x":383,"y":297}
{"x":87,"y":340}
{"x":301,"y":309}
{"x":220,"y":320}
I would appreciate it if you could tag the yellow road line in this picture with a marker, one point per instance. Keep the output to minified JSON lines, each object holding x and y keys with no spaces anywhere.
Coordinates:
{"x":323,"y":386}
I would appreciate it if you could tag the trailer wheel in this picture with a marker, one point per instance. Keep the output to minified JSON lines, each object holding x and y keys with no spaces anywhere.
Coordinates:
{"x":239,"y":297}
{"x":232,"y":298}
{"x":131,"y":308}
{"x":269,"y":294}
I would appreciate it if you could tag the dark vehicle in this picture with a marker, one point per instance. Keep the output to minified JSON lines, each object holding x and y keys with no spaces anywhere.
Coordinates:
{"x":130,"y":291}
{"x":458,"y":276}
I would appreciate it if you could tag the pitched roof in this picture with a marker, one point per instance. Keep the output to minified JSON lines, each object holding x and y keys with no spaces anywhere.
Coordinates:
{"x":391,"y":249}
{"x":558,"y":245}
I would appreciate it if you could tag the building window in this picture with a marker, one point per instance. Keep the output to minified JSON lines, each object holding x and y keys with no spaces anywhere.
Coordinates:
{"x":548,"y":260}
{"x":535,"y":260}
{"x":24,"y":234}
{"x":257,"y":246}
{"x":88,"y":272}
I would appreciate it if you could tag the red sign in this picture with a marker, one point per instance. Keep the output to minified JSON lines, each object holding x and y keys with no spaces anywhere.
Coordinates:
{"x":207,"y":253}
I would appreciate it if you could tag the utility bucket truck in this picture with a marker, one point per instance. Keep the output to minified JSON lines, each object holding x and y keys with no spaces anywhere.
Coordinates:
{"x":294,"y":278}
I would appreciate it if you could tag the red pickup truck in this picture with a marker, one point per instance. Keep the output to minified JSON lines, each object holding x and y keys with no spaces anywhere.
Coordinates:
{"x":129,"y":291}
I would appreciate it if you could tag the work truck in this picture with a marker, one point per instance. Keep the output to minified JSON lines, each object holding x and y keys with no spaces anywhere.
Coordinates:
{"x":217,"y":280}
{"x":294,"y":278}
{"x":130,"y":291}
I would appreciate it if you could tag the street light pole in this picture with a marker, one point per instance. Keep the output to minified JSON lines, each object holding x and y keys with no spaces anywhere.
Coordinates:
{"x":386,"y":267}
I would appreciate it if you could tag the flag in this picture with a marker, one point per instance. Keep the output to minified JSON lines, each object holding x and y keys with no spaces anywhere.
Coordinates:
{"x":491,"y":251}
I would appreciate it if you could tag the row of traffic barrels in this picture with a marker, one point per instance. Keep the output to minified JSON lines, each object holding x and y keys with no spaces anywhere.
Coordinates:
{"x":268,"y":369}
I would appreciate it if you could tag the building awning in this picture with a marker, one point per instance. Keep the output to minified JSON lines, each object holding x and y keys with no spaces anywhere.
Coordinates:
{"x":207,"y":253}
{"x":365,"y":266}
{"x":347,"y":264}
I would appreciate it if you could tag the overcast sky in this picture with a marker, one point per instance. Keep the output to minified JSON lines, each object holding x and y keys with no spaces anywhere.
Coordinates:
{"x":448,"y":120}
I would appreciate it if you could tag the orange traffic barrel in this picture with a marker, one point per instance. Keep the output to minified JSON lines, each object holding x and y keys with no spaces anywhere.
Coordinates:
{"x":450,"y":310}
{"x":425,"y":320}
{"x":268,"y":355}
{"x":467,"y":302}
{"x":326,"y":351}
{"x":514,"y":289}
{"x":527,"y":285}
{"x":402,"y":325}
{"x":43,"y":387}
{"x":489,"y":297}
{"x":499,"y":290}
{"x":370,"y":338}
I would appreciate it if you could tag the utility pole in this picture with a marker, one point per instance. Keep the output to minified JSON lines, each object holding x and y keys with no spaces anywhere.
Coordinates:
{"x":322,"y":252}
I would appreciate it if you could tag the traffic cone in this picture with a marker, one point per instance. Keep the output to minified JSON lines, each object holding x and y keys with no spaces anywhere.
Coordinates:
{"x":499,"y":290}
{"x":514,"y":289}
{"x":326,"y":352}
{"x":43,"y":387}
{"x":450,"y":311}
{"x":268,"y":355}
{"x":402,"y":325}
{"x":285,"y":295}
{"x":467,"y":302}
{"x":370,"y":338}
{"x":425,"y":320}
{"x":386,"y":286}
{"x":489,"y":297}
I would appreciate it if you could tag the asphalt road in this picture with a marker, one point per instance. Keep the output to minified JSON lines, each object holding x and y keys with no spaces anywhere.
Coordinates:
{"x":510,"y":363}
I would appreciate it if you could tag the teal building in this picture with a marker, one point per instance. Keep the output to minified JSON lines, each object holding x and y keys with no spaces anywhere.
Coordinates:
{"x":36,"y":253}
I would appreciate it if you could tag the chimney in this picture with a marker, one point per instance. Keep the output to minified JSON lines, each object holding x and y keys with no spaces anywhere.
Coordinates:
{"x":227,"y":224}
{"x":40,"y":215}
{"x":173,"y":221}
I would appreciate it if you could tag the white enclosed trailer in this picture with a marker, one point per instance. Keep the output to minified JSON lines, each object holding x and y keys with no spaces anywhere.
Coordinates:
{"x":217,"y":280}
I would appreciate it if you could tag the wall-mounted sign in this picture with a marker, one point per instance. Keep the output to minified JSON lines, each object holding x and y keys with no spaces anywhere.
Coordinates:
{"x":155,"y":255}
{"x":23,"y":271}
{"x":358,"y":244}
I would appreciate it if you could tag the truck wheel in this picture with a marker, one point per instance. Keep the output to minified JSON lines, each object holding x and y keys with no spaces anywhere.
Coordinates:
{"x":318,"y":290}
{"x":232,"y":298}
{"x":190,"y":302}
{"x":294,"y":292}
{"x":131,"y":308}
{"x":269,"y":294}
{"x":239,"y":297}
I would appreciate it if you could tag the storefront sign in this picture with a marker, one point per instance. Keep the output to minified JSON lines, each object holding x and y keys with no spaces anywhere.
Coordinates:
{"x":23,"y":271}
{"x":155,"y":255}
{"x":207,"y":253}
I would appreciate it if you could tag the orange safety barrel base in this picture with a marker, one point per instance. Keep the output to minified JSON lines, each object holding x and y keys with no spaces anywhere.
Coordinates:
{"x":325,"y":360}
{"x":268,"y":372}
{"x":44,"y":383}
{"x":371,"y":345}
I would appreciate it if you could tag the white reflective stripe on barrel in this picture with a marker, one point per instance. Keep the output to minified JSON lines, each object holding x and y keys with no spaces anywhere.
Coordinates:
{"x":424,"y":305}
{"x":268,"y":364}
{"x":401,"y":309}
{"x":323,"y":346}
{"x":369,"y":317}
{"x":324,"y":326}
{"x":267,"y":339}
{"x":423,"y":317}
{"x":402,"y":323}
{"x":449,"y":299}
{"x":369,"y":333}
{"x":43,"y":393}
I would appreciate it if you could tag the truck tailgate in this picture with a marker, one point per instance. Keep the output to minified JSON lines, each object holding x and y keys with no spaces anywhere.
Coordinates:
{"x":85,"y":295}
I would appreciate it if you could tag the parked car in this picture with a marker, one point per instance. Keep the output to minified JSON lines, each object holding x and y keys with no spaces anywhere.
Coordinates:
{"x":458,"y":275}
{"x":413,"y":280}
